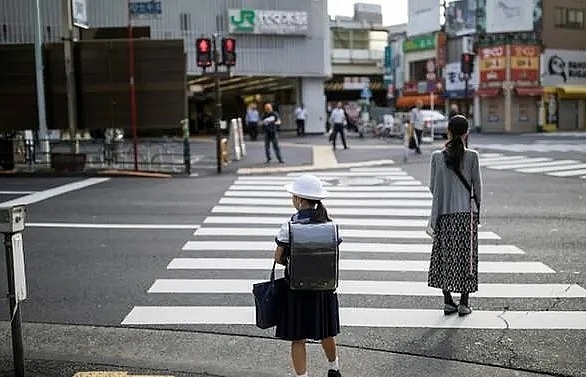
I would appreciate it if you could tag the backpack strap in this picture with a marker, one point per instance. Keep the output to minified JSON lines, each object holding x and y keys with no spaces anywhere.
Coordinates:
{"x":468,"y":187}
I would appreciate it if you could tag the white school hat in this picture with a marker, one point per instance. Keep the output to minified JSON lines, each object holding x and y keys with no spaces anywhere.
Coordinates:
{"x":307,"y":187}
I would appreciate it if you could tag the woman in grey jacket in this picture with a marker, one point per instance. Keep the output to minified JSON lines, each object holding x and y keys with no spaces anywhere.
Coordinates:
{"x":454,"y":256}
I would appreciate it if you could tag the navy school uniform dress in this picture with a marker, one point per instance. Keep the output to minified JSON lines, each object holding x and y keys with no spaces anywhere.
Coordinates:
{"x":306,"y":314}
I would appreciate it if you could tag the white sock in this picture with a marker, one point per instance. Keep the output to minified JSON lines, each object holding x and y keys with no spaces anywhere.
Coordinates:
{"x":334,"y":365}
{"x":303,"y":375}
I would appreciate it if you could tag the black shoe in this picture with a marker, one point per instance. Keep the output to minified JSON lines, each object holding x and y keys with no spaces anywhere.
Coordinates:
{"x":334,"y":373}
{"x":281,"y":162}
{"x":450,"y":309}
{"x":464,"y":310}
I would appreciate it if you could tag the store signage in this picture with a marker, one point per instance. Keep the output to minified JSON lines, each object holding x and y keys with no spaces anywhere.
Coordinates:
{"x":455,"y":79}
{"x":79,"y":13}
{"x":423,"y":16}
{"x":564,"y":67}
{"x":492,"y":64}
{"x":507,"y":16}
{"x":442,"y":49}
{"x":421,"y":43}
{"x":461,"y":18}
{"x":150,"y":9}
{"x":256,"y":21}
{"x":525,"y":63}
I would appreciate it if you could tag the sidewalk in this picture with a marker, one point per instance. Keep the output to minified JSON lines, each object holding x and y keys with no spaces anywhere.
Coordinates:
{"x":62,"y":350}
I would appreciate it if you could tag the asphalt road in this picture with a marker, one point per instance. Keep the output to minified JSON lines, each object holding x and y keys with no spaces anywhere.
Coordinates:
{"x":83,"y":282}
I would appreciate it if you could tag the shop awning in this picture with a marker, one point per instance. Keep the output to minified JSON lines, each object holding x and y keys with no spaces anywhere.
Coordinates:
{"x":573,"y":90}
{"x":409,"y":101}
{"x":488,"y":92}
{"x":529,"y":91}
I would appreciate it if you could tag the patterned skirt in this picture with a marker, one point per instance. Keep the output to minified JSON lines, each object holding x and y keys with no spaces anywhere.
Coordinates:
{"x":449,"y":267}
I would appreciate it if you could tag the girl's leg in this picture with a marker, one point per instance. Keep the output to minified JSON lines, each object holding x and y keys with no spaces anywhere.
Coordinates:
{"x":464,"y":299}
{"x":329,"y":346}
{"x":299,"y":357}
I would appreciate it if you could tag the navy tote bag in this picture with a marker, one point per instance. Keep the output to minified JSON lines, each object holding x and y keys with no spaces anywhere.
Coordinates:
{"x":268,"y":298}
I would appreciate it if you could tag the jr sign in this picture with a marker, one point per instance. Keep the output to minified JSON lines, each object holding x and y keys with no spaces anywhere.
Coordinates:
{"x":255,"y":21}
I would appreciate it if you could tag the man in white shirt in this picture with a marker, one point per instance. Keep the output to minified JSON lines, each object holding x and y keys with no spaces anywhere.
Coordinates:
{"x":300,"y":118}
{"x":338,"y":118}
{"x":416,"y":120}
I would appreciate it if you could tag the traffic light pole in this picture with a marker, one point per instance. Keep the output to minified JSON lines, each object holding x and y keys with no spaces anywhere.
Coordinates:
{"x":218,"y":112}
{"x":466,"y":109}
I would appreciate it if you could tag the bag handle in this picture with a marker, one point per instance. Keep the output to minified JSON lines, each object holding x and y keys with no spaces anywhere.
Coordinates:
{"x":273,"y":272}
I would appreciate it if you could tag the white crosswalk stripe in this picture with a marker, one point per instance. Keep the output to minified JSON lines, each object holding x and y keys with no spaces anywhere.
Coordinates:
{"x":384,"y":256}
{"x":542,"y":165}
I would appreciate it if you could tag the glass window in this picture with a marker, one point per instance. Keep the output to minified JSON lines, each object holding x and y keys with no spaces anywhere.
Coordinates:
{"x":569,"y":18}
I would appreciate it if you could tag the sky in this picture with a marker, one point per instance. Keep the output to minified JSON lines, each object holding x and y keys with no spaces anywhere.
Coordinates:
{"x":394,"y":11}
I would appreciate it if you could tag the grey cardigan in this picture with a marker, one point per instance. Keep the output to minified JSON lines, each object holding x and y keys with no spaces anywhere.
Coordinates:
{"x":449,"y":194}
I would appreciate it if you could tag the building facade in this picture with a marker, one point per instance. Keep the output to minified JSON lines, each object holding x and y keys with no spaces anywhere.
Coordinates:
{"x":275,"y":40}
{"x":563,"y":66}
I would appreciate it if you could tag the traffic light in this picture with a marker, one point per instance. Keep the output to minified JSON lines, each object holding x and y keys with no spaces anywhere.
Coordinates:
{"x":467,"y":63}
{"x":229,"y":52}
{"x":204,"y":52}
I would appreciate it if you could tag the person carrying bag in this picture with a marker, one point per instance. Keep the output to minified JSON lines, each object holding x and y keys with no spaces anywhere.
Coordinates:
{"x":456,"y":185}
{"x":307,"y":246}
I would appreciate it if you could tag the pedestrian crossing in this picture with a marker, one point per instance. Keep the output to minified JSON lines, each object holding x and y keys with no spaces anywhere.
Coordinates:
{"x":535,"y":165}
{"x":384,"y":261}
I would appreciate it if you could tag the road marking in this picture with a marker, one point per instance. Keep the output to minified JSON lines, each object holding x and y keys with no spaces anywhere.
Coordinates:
{"x":330,"y":203}
{"x":410,"y":182}
{"x":268,"y":220}
{"x":344,"y":232}
{"x":398,"y":174}
{"x":332,"y":189}
{"x":489,"y":155}
{"x":552,"y":168}
{"x":113,"y":226}
{"x":484,"y":161}
{"x":365,"y":317}
{"x":342,"y":211}
{"x":375,"y":288}
{"x":324,"y":157}
{"x":377,"y":169}
{"x":546,"y":162}
{"x":16,"y":192}
{"x":519,"y":164}
{"x":60,"y":190}
{"x":348,"y":195}
{"x":568,"y":173}
{"x":354,"y":265}
{"x":345,"y":247}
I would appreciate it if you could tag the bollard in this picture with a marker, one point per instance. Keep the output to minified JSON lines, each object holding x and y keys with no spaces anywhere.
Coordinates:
{"x":186,"y":145}
{"x":235,"y":137}
{"x":241,"y":133}
{"x":12,"y":225}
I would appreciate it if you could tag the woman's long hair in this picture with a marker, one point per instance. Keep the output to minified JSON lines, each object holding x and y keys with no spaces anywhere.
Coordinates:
{"x":455,"y":149}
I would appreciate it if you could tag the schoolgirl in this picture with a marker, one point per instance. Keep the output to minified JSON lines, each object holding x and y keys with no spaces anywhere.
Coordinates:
{"x":455,"y":179}
{"x":307,"y":314}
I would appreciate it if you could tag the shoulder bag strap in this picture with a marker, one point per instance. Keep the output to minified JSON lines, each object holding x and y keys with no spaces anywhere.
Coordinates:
{"x":468,"y":187}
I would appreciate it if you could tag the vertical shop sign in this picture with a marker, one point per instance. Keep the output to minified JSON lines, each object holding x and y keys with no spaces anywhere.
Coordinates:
{"x":493,"y":64}
{"x":389,"y":74}
{"x":525,"y":63}
{"x":441,"y":50}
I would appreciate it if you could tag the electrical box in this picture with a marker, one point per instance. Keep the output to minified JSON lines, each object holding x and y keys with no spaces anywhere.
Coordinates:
{"x":12,"y":219}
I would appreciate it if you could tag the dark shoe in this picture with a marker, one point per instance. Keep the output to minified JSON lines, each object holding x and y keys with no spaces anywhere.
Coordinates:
{"x":464,"y":310}
{"x":334,"y":373}
{"x":450,"y":309}
{"x":281,"y":162}
{"x":267,"y":162}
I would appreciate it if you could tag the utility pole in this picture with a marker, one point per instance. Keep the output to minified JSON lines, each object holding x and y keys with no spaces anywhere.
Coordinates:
{"x":218,"y":99}
{"x":70,"y":73}
{"x":131,"y":75}
{"x":43,"y":134}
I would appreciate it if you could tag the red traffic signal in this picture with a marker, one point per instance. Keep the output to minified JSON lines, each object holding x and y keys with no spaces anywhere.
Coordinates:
{"x":229,"y":51}
{"x":204,"y":52}
{"x":467,"y":63}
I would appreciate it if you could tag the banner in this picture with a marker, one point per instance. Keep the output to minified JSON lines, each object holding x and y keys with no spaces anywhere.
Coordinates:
{"x":424,"y":17}
{"x":455,"y":79}
{"x":525,"y":63}
{"x":492,"y":63}
{"x":461,"y":18}
{"x":563,"y":67}
{"x":506,"y":16}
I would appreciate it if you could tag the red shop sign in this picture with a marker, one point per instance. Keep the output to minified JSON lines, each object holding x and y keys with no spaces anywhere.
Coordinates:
{"x":492,"y":52}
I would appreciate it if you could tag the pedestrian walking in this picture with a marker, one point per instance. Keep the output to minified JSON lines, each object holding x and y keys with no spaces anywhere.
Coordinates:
{"x":307,"y":314}
{"x":300,"y":118}
{"x":338,"y":119}
{"x":270,"y":122}
{"x":409,"y":141}
{"x":454,"y":110}
{"x":456,"y":185}
{"x":416,"y":121}
{"x":252,"y":119}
